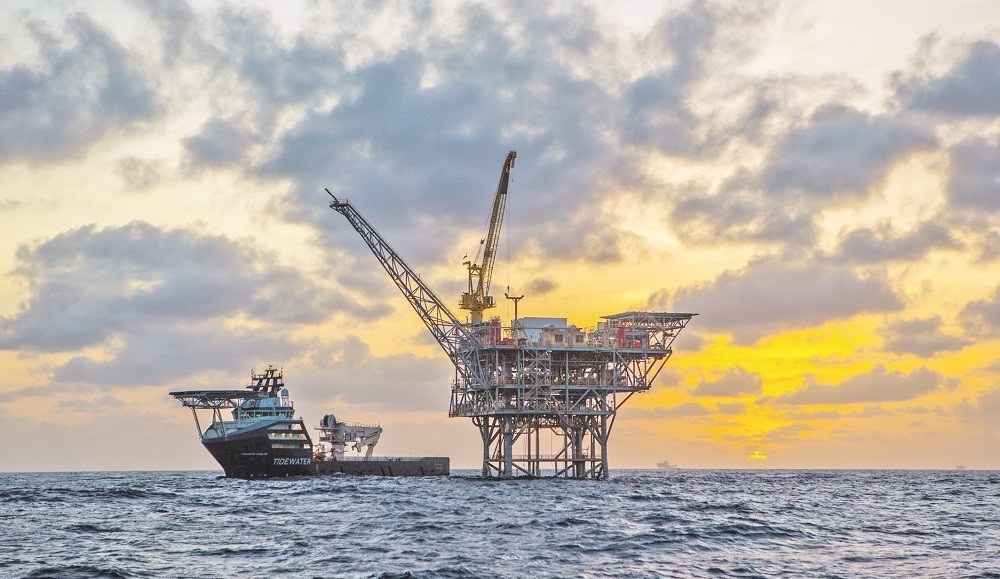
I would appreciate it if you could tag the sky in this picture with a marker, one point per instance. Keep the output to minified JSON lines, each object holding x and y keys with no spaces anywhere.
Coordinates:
{"x":819,"y":181}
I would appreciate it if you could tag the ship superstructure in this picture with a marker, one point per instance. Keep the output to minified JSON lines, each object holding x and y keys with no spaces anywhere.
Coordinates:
{"x":516,"y":381}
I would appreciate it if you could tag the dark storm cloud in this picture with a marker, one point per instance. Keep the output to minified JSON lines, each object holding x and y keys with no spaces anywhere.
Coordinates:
{"x":982,"y":317}
{"x":921,"y":337}
{"x":974,"y":175}
{"x":841,"y":153}
{"x":735,"y":382}
{"x":84,"y":86}
{"x":881,"y":244}
{"x":770,"y":295}
{"x":970,"y":88}
{"x":139,"y":283}
{"x":878,"y":385}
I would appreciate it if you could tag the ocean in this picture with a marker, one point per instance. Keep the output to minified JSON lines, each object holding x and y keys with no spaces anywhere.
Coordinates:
{"x":639,"y":523}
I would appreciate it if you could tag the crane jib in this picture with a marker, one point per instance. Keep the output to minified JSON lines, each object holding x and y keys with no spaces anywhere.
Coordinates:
{"x":451,"y":334}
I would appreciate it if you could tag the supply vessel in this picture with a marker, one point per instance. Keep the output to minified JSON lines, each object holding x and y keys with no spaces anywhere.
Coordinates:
{"x":263,"y":438}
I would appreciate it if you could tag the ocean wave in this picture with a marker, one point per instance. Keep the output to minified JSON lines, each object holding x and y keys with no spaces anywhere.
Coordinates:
{"x":643,"y":524}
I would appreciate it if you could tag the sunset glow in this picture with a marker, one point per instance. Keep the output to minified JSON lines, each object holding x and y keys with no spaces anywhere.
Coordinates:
{"x":822,"y":189}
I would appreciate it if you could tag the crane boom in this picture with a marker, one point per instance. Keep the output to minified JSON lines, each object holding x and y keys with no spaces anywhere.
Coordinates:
{"x":454,"y":338}
{"x":496,"y":220}
{"x":477,"y":298}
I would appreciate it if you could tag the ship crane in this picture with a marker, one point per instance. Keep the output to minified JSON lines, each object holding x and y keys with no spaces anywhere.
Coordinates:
{"x":477,"y":298}
{"x":561,"y":380}
{"x":341,"y":434}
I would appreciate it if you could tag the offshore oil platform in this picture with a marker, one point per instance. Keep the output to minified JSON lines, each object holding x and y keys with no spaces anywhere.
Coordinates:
{"x":535,"y":374}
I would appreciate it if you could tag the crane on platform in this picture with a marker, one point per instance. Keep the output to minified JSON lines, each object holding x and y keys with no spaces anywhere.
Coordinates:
{"x":477,"y":298}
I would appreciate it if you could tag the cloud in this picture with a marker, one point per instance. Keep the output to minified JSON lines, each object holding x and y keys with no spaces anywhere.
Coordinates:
{"x":139,"y":174}
{"x":881,"y":244}
{"x":922,"y":337}
{"x":369,"y":150}
{"x":770,"y":295}
{"x":347,"y":371}
{"x":985,"y":409}
{"x":284,"y":72}
{"x":982,"y":317}
{"x":706,"y":217}
{"x":840,"y":154}
{"x":988,"y":245}
{"x":731,"y":408}
{"x":878,"y":385}
{"x":686,"y":409}
{"x":84,"y":86}
{"x":974,"y":175}
{"x":220,"y":142}
{"x":787,"y":433}
{"x":735,"y":382}
{"x":163,"y":301}
{"x":970,"y":88}
{"x":540,"y":286}
{"x":421,"y":126}
{"x":105,"y":404}
{"x":661,"y":106}
{"x":176,"y":353}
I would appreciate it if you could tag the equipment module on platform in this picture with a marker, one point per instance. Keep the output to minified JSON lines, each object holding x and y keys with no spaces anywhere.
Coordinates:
{"x":264,"y":439}
{"x":519,"y":380}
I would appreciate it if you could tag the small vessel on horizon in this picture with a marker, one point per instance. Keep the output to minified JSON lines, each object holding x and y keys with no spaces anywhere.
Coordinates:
{"x":666,"y":464}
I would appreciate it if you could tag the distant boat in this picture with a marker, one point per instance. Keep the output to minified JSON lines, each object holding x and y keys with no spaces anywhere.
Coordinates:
{"x":666,"y":464}
{"x":959,"y":467}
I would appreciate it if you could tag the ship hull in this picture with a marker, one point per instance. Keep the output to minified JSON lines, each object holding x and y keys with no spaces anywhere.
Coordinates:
{"x":250,"y":453}
{"x":387,"y":466}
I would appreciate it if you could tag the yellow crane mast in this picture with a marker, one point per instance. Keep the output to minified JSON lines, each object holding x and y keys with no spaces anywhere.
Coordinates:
{"x":477,"y":298}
